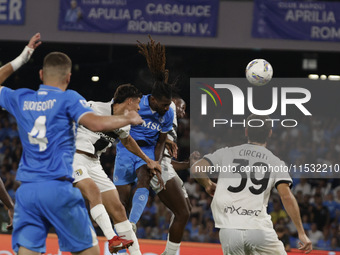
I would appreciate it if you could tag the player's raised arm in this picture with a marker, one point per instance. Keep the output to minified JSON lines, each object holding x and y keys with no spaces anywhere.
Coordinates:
{"x":9,"y":68}
{"x":107,"y":123}
{"x":292,"y":208}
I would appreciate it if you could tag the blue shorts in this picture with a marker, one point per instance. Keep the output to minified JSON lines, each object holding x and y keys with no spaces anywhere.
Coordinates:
{"x":54,"y":203}
{"x":127,"y":163}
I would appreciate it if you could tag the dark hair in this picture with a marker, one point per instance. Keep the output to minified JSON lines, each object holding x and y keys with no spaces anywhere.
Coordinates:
{"x":57,"y":63}
{"x":155,"y":58}
{"x":259,"y":134}
{"x":125,"y":91}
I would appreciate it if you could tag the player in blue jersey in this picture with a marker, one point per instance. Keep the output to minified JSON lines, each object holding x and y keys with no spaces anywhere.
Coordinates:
{"x":47,"y":120}
{"x":150,"y":136}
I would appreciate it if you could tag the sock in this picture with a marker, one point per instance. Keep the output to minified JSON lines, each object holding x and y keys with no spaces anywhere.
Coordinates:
{"x":125,"y":229}
{"x":138,"y":204}
{"x":100,"y":216}
{"x":171,"y":248}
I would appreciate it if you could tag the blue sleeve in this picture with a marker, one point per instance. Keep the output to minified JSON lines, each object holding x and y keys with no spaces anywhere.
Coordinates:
{"x":77,"y":105}
{"x":168,"y":120}
{"x":8,"y":99}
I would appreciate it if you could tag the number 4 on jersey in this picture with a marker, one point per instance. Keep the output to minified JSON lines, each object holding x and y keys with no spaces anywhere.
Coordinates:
{"x":38,"y":133}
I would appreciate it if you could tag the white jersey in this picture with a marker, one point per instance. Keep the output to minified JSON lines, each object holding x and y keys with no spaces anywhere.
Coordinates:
{"x":241,"y":196}
{"x":172,"y":135}
{"x":98,"y":142}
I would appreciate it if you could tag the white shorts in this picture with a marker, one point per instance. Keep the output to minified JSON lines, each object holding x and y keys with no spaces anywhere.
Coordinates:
{"x":168,"y":172}
{"x":250,"y":241}
{"x":87,"y":167}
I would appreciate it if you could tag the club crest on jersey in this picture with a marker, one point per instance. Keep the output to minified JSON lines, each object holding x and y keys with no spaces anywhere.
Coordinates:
{"x":161,"y":119}
{"x":79,"y":172}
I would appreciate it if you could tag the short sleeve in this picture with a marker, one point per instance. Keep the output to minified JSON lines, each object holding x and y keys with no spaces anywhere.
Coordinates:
{"x":281,"y":175}
{"x":7,"y":99}
{"x":168,"y":121}
{"x":124,"y":132}
{"x":216,"y":158}
{"x":77,"y":105}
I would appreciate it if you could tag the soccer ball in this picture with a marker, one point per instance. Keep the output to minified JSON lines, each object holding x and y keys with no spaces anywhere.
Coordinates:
{"x":259,"y":72}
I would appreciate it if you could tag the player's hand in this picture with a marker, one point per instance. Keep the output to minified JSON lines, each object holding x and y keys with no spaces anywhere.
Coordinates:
{"x":154,"y":166}
{"x":34,"y":42}
{"x":172,"y":147}
{"x":210,"y":189}
{"x":10,"y":215}
{"x":134,"y":117}
{"x":194,"y":157}
{"x":305,"y":244}
{"x":160,"y":180}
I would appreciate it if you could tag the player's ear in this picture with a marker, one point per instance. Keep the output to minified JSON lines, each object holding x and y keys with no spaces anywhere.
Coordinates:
{"x":270,"y":133}
{"x":152,"y":99}
{"x":68,"y":78}
{"x":130,"y":100}
{"x":41,"y":76}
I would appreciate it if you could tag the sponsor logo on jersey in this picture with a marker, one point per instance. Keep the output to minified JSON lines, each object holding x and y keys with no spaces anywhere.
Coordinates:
{"x":152,"y":125}
{"x":241,"y":211}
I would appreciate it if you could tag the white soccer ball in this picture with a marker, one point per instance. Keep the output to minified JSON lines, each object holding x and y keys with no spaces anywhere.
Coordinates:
{"x":259,"y":72}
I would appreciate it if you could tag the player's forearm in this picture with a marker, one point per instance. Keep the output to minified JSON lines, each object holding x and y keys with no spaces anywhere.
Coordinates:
{"x":134,"y":148}
{"x":160,"y":146}
{"x":178,"y":166}
{"x":103,"y":123}
{"x":292,"y":208}
{"x":200,"y":176}
{"x":4,"y":197}
{"x":159,"y":150}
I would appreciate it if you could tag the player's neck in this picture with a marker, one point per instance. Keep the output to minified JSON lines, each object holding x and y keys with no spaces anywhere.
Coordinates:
{"x":56,"y":85}
{"x":151,"y":104}
{"x":259,"y":144}
{"x":118,"y":109}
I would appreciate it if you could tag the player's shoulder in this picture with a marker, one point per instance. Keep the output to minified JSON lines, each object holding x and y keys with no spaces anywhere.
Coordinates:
{"x":173,"y":106}
{"x":19,"y":91}
{"x":71,"y":92}
{"x":273,"y":159}
{"x":101,"y":108}
{"x":170,"y":114}
{"x":223,"y":150}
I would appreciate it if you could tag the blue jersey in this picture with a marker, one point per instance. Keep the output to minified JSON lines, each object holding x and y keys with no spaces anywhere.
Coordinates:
{"x":46,"y":122}
{"x":153,"y":123}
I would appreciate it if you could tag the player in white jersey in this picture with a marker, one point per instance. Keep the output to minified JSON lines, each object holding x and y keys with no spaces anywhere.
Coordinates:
{"x":174,"y":196}
{"x":248,"y":173}
{"x":90,"y":177}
